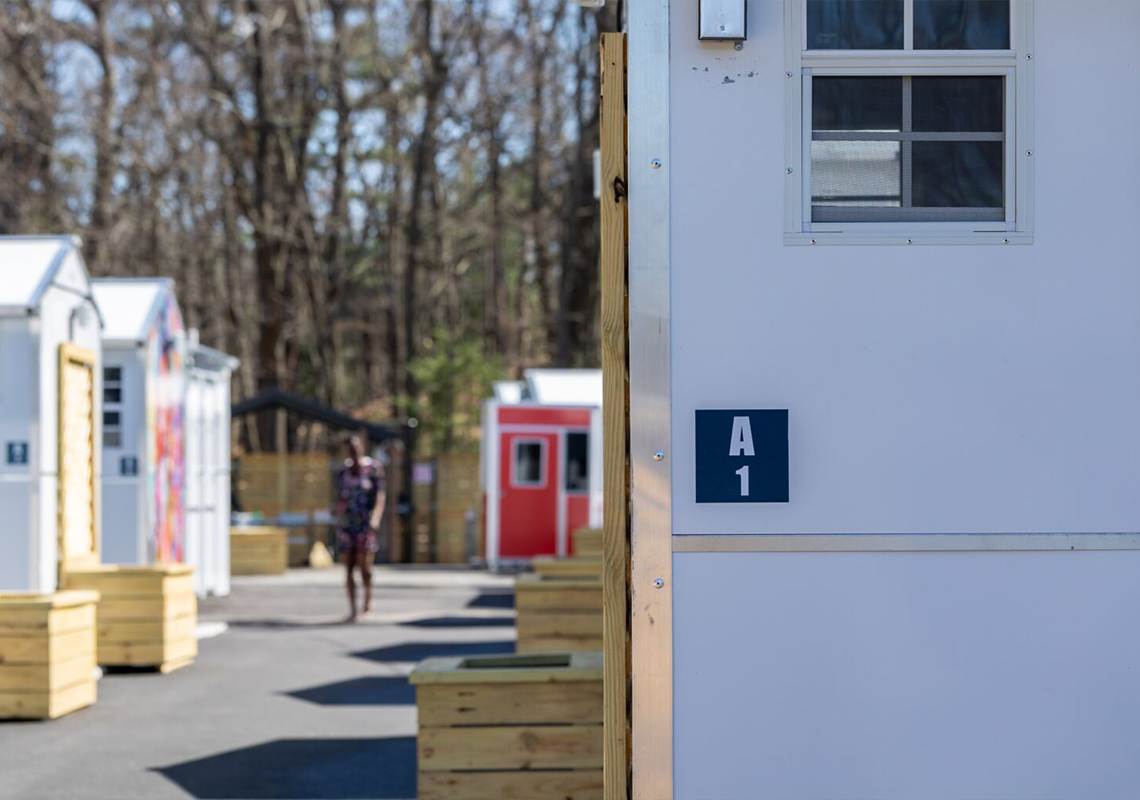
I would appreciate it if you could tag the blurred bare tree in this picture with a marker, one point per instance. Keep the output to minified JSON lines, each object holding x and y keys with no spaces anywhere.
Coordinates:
{"x":330,"y":182}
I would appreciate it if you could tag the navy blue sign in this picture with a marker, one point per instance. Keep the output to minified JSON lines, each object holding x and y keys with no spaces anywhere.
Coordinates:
{"x":18,"y":453}
{"x":128,"y":466}
{"x":742,"y":456}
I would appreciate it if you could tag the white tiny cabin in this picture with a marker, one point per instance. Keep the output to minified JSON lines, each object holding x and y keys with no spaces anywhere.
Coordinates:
{"x":48,"y":321}
{"x":144,"y":399}
{"x":208,"y":466}
{"x":541,"y":462}
{"x":884,"y":381}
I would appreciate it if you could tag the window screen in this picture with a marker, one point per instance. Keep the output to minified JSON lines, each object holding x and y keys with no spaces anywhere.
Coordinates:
{"x":112,"y":397}
{"x":577,"y":462}
{"x":961,"y":24}
{"x":112,"y":429}
{"x":922,"y":148}
{"x":112,"y":384}
{"x":528,"y":464}
{"x":881,"y":25}
{"x":855,"y":24}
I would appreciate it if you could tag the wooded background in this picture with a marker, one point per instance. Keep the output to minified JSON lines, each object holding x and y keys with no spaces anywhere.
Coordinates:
{"x":380,"y":204}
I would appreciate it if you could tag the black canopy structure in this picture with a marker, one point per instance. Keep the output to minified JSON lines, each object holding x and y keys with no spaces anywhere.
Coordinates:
{"x":275,"y":398}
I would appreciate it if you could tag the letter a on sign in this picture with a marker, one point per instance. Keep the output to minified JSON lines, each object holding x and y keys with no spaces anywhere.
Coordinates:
{"x":741,"y":438}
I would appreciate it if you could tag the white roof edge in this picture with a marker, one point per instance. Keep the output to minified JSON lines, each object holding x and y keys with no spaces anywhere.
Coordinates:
{"x":65,"y":246}
{"x":135,"y":279}
{"x":228,"y":361}
{"x":561,"y":386}
{"x":166,"y":286}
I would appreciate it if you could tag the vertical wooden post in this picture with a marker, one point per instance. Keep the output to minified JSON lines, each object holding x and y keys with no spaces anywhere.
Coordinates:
{"x":615,"y":419}
{"x":282,"y":437}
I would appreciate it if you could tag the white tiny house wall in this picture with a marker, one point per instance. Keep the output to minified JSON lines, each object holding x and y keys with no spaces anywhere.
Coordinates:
{"x":208,"y":466}
{"x":144,"y":490}
{"x":45,"y":301}
{"x":941,"y":604}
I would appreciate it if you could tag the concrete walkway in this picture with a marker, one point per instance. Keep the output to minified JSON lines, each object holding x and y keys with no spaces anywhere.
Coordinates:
{"x":288,"y":702}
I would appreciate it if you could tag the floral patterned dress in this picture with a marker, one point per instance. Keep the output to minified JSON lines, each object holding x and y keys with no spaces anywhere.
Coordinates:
{"x":358,"y":490}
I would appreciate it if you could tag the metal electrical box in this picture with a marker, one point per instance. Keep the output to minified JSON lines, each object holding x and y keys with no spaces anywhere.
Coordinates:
{"x":723,"y":19}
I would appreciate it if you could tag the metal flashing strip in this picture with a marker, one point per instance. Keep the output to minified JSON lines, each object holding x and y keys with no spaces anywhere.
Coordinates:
{"x":904,"y":542}
{"x":53,"y":268}
{"x":650,"y":427}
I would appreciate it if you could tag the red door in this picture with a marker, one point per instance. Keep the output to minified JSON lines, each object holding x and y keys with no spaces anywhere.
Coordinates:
{"x":528,"y":494}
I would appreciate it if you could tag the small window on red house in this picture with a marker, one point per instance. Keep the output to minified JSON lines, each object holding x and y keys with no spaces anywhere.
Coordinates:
{"x":527,"y":469}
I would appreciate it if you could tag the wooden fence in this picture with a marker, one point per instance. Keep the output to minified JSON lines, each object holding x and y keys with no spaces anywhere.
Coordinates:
{"x":293,"y":483}
{"x":445,"y":508}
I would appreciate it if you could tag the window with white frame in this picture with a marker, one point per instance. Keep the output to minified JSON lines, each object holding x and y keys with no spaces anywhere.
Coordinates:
{"x":908,"y":117}
{"x":112,"y":406}
{"x":576,"y":471}
{"x":528,"y":464}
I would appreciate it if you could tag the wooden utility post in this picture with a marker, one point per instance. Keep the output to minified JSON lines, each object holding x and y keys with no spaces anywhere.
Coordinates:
{"x":281,"y":430}
{"x":615,"y":422}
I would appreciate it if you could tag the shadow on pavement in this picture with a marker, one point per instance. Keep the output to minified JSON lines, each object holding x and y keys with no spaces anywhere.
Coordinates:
{"x":388,"y":690}
{"x":461,"y":622}
{"x":288,"y":624}
{"x":418,"y":651}
{"x":322,"y":769}
{"x":501,"y":599}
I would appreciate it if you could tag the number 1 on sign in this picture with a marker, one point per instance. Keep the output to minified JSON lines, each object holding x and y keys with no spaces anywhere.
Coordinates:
{"x":743,"y":473}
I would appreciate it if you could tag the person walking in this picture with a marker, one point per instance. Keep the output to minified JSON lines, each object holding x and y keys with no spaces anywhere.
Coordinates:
{"x":360,"y":487}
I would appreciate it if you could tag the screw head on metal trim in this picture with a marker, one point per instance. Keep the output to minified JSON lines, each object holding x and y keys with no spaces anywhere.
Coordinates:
{"x":658,"y":583}
{"x":655,"y":163}
{"x":659,"y":455}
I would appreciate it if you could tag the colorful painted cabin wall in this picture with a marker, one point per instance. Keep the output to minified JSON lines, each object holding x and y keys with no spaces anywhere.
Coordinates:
{"x":144,"y":503}
{"x":541,"y":464}
{"x":45,"y":301}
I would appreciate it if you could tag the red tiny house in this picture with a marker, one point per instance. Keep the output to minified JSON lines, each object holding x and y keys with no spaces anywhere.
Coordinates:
{"x":541,"y":463}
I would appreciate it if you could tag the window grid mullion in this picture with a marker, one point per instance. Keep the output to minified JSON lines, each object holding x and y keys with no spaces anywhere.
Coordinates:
{"x":907,"y":145}
{"x":908,"y":24}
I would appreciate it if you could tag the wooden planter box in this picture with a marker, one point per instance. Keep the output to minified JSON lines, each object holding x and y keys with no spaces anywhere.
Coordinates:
{"x":259,"y":551}
{"x":47,"y":654}
{"x":558,"y":615}
{"x":573,"y":567}
{"x":147,"y":614}
{"x":587,"y":542}
{"x":510,"y":727}
{"x":299,"y":543}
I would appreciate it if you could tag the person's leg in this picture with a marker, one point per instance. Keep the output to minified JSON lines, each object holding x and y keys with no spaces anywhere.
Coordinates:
{"x":364,"y":563}
{"x":350,"y":584}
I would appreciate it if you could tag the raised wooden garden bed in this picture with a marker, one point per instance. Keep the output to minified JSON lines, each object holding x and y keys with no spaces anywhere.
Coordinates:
{"x":147,"y":614}
{"x":558,"y":615}
{"x":587,"y":542}
{"x":573,"y":567}
{"x":259,"y":551}
{"x":510,"y":727}
{"x":47,"y":654}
